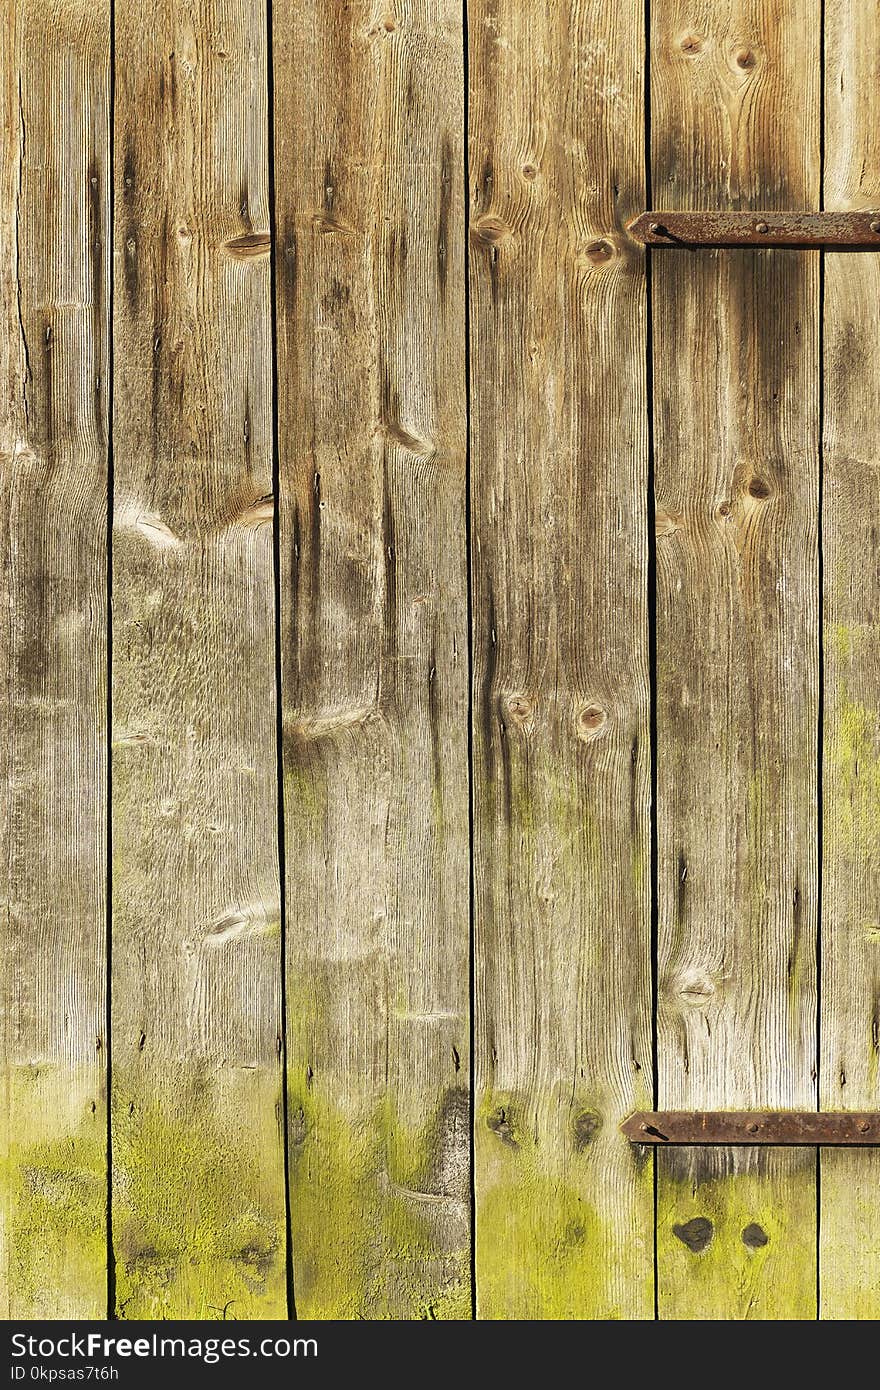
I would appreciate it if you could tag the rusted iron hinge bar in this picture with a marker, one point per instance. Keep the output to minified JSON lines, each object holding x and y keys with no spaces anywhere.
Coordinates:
{"x":804,"y":1127}
{"x":791,"y":229}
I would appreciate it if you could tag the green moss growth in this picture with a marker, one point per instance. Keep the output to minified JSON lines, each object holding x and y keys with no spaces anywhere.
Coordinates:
{"x":53,"y":1194}
{"x":379,"y":1211}
{"x":848,"y":640}
{"x":853,"y":782}
{"x":849,"y":1248}
{"x":737,"y":1245}
{"x":564,"y":1215}
{"x":198,"y":1200}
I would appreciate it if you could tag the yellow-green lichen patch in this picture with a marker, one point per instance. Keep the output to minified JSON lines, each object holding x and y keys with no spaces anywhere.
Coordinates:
{"x":379,"y":1210}
{"x":304,"y":792}
{"x":849,"y":640}
{"x":198,"y":1197}
{"x":53,"y":1194}
{"x":853,"y":780}
{"x":736,"y":1244}
{"x":564,"y":1220}
{"x":849,"y":1239}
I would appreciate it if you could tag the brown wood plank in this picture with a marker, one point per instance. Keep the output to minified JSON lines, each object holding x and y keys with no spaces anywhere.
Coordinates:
{"x":562,"y":750}
{"x":734,"y":119}
{"x":198,"y":1175}
{"x":850,"y":1019}
{"x":54,"y":281}
{"x":370,"y":272}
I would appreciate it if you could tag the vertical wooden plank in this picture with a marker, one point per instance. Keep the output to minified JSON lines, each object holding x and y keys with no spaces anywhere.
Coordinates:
{"x":53,"y":463}
{"x":735,"y":124}
{"x":198,"y":1208}
{"x":564,"y":1225}
{"x":850,"y":1020}
{"x":372,"y":431}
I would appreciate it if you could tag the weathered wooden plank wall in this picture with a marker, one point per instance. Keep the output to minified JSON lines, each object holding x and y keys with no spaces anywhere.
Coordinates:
{"x":54,"y":282}
{"x":850,"y":1016}
{"x":372,"y":433}
{"x":395,"y":401}
{"x":564,"y":1213}
{"x":198,"y":1218}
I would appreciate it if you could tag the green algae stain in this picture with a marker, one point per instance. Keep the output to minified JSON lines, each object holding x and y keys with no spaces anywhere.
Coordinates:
{"x":198,"y":1206}
{"x":537,"y":1243}
{"x":305,"y":792}
{"x":853,"y":780}
{"x":736,"y":1245}
{"x":379,"y":1211}
{"x":564,"y":1222}
{"x":850,"y":640}
{"x":53,"y":1191}
{"x":849,"y":1250}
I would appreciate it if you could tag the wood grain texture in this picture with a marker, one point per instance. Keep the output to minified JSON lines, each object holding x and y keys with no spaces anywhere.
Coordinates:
{"x":735,"y":124}
{"x":561,"y":781}
{"x":54,"y":282}
{"x":850,"y":1017}
{"x":198,"y":1196}
{"x":372,"y":431}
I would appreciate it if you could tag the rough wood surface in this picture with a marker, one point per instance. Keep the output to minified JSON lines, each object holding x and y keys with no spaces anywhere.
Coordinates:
{"x":850,"y":1018}
{"x":561,"y":786}
{"x":54,"y":271}
{"x":369,"y":179}
{"x":198,"y":1208}
{"x":735,"y":90}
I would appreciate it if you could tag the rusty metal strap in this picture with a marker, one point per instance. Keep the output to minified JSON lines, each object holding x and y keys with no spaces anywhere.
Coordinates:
{"x":803,"y":1127}
{"x":791,"y":229}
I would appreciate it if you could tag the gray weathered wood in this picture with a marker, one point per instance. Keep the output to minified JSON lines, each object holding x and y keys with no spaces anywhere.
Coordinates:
{"x":561,"y":789}
{"x":850,"y":1020}
{"x":735,"y":103}
{"x":54,"y":278}
{"x":198,"y":1176}
{"x":369,"y":122}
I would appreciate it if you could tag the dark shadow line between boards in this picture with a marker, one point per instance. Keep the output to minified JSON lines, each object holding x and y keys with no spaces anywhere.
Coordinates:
{"x":469,"y":551}
{"x":290,"y":1291}
{"x":651,"y":585}
{"x":108,"y":772}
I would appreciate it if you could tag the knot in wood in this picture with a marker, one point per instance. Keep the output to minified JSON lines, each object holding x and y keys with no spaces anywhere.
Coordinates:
{"x":586,"y":1126}
{"x":754,"y":1236}
{"x":520,"y":708}
{"x":695,"y":989}
{"x":600,"y":252}
{"x":696,"y":1234}
{"x":666,"y":523}
{"x":759,"y":488}
{"x":591,"y":722}
{"x":490,"y":231}
{"x":499,"y":1123}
